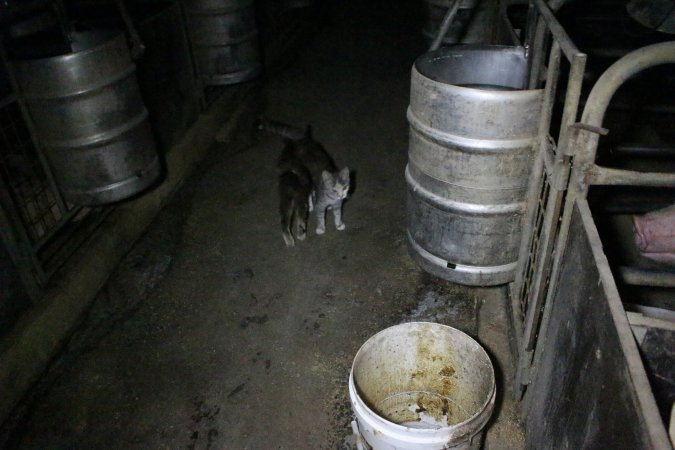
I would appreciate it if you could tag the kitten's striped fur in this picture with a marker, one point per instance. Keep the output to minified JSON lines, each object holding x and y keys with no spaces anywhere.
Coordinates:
{"x":304,"y":155}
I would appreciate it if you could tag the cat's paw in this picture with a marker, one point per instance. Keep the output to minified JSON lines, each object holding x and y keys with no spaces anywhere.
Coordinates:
{"x":288,"y":239}
{"x":341,"y":226}
{"x":321,"y":230}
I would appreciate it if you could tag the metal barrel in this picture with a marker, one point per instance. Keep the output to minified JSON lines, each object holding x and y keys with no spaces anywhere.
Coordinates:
{"x":88,"y":114}
{"x":224,"y":39}
{"x":435,"y":11}
{"x":472,"y":133}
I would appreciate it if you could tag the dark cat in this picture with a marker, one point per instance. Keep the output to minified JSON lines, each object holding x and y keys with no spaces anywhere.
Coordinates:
{"x":295,"y":203}
{"x":301,"y":150}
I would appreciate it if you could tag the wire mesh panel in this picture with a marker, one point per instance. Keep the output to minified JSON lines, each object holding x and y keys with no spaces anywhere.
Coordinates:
{"x":534,"y":246}
{"x":45,"y":230}
{"x":24,"y":176}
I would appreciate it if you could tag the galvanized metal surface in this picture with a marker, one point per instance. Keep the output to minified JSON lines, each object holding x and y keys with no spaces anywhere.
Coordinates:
{"x":470,"y":156}
{"x":224,"y":39}
{"x":89,"y":115}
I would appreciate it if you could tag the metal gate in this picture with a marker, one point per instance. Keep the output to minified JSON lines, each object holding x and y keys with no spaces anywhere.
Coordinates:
{"x":545,"y":36}
{"x":553,"y":287}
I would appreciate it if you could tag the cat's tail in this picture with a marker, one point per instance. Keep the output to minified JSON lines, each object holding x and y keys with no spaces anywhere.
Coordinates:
{"x":281,"y":129}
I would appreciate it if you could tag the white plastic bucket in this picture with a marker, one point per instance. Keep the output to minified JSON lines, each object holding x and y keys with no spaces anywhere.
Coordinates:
{"x":422,"y":386}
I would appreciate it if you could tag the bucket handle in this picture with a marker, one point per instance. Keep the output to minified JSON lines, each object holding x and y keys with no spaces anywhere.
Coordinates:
{"x":137,"y":46}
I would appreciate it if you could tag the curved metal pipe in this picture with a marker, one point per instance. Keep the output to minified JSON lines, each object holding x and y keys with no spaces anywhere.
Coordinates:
{"x":445,"y":26}
{"x":607,"y":85}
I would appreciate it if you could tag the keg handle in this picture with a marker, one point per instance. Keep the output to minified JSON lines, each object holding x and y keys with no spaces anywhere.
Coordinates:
{"x":445,"y":25}
{"x":137,"y":46}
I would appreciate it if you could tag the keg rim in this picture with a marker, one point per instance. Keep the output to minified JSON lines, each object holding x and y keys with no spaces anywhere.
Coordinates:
{"x":427,"y":65}
{"x":101,"y":39}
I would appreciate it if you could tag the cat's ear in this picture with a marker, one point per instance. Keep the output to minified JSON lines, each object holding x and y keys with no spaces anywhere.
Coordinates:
{"x":343,"y":176}
{"x":327,"y":177}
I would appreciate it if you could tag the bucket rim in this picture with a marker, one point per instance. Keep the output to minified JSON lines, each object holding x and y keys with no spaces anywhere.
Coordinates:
{"x":427,"y":431}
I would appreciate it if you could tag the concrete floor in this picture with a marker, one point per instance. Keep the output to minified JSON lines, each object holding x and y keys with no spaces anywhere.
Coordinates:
{"x":212,"y":334}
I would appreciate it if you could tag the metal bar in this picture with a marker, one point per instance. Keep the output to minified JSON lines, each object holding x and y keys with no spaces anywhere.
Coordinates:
{"x":552,"y":75}
{"x":516,"y":313}
{"x":530,"y":25}
{"x":533,"y":310}
{"x":640,"y":320}
{"x":645,"y":277}
{"x":64,"y":23}
{"x":537,"y":53}
{"x":529,"y":222}
{"x":549,"y":162}
{"x":195,"y":67}
{"x":503,"y":20}
{"x":445,"y":25}
{"x":572,"y":96}
{"x":137,"y":46}
{"x":645,"y":150}
{"x":558,"y":32}
{"x":17,"y":243}
{"x":622,"y":207}
{"x":599,"y":175}
{"x":543,"y":271}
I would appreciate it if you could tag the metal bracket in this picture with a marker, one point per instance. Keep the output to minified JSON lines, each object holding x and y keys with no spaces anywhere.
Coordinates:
{"x":593,"y":129}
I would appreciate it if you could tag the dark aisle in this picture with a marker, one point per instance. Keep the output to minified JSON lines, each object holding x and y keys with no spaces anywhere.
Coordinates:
{"x":241,"y":343}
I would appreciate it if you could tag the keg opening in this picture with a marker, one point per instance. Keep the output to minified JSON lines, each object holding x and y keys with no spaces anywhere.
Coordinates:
{"x":485,"y":67}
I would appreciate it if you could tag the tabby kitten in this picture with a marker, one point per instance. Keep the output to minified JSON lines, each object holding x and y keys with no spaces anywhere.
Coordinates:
{"x":329,"y":186}
{"x":330,"y":194}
